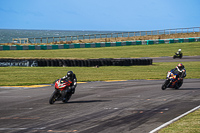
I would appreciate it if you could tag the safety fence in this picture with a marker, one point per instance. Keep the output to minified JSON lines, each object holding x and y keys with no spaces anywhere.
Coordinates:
{"x":108,"y":35}
{"x":74,"y":63}
{"x":95,"y":45}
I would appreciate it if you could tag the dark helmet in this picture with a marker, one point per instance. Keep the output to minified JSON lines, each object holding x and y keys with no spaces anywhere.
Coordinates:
{"x":180,"y":66}
{"x":69,"y":74}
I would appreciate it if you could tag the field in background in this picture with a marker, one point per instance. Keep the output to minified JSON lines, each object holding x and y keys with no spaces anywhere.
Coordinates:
{"x":46,"y":75}
{"x":133,"y":51}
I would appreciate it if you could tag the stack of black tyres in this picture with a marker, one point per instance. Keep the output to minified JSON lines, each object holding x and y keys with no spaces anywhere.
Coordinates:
{"x":86,"y":63}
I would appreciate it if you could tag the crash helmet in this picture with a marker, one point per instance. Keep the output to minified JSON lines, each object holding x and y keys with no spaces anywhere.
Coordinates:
{"x":180,"y":66}
{"x":69,"y":74}
{"x":179,"y":50}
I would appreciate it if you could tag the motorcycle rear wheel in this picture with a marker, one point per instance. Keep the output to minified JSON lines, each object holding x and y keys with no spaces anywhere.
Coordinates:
{"x":67,"y":97}
{"x":52,"y":99}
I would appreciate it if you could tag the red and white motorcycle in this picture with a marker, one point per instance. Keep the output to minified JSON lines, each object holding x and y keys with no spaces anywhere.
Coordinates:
{"x":61,"y":92}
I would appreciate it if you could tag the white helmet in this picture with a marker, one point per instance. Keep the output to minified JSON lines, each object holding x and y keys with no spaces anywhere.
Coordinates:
{"x":179,"y":50}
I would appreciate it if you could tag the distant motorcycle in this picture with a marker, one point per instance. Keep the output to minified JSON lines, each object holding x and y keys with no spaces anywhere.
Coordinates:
{"x":61,"y":92}
{"x":178,"y":56}
{"x":171,"y":81}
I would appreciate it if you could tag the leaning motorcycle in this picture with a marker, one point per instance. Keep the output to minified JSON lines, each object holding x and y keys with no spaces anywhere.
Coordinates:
{"x":62,"y":91}
{"x":171,"y":81}
{"x":178,"y":56}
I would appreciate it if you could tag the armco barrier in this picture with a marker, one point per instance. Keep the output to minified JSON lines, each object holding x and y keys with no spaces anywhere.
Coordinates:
{"x":96,"y":45}
{"x":74,"y":63}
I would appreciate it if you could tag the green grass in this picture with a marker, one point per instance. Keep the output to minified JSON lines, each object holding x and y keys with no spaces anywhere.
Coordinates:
{"x":46,"y":75}
{"x":187,"y":124}
{"x":156,"y":50}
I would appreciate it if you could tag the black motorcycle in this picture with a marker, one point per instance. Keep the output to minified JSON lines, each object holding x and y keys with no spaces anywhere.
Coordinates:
{"x":178,"y":56}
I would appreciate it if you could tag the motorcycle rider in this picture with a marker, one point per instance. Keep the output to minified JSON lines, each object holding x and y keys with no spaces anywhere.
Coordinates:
{"x":179,"y":53}
{"x":72,"y":77}
{"x":181,"y":73}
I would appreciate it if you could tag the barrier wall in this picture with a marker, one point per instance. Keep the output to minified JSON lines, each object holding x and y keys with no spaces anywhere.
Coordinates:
{"x":68,"y":62}
{"x":95,"y":45}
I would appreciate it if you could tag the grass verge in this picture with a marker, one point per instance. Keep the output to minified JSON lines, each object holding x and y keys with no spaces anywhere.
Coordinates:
{"x":46,"y":75}
{"x":188,"y":124}
{"x":133,"y":51}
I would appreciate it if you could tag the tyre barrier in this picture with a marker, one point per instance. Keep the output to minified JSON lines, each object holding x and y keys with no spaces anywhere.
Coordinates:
{"x":75,"y":63}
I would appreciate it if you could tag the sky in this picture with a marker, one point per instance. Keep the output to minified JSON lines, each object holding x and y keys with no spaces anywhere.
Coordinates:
{"x":99,"y":15}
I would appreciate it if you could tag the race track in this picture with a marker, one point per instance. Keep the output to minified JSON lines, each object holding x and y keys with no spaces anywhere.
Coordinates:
{"x":137,"y":106}
{"x":170,"y":59}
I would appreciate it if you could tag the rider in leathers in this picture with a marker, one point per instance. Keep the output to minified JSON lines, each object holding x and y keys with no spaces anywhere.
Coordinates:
{"x":72,"y":77}
{"x":179,"y":53}
{"x":181,"y":73}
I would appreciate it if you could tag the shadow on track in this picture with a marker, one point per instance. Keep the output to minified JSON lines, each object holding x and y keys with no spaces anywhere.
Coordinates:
{"x":189,"y":89}
{"x":89,"y":101}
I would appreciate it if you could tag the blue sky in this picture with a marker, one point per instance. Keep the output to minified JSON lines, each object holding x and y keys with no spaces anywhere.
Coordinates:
{"x":101,"y":15}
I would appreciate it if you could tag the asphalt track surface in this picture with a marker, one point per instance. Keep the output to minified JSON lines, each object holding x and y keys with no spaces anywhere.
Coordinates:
{"x":136,"y":106}
{"x":170,"y":59}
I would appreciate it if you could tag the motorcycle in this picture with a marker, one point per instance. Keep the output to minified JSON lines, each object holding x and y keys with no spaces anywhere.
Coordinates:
{"x":172,"y":81}
{"x":62,"y":91}
{"x":178,"y":56}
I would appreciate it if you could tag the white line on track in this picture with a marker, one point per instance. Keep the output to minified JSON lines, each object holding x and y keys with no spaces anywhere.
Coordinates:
{"x":173,"y":120}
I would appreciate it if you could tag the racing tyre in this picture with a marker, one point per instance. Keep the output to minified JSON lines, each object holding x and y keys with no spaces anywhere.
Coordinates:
{"x":52,"y":99}
{"x":176,"y":88}
{"x":164,"y":86}
{"x":179,"y":85}
{"x":67,"y":97}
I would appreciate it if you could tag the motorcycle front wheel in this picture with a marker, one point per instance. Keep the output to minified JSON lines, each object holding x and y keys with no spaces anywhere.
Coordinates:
{"x":52,"y":99}
{"x":164,"y":86}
